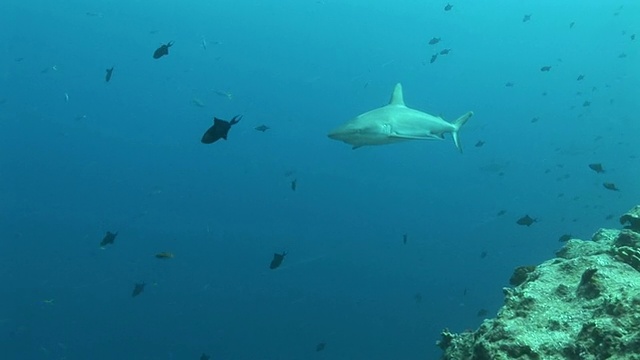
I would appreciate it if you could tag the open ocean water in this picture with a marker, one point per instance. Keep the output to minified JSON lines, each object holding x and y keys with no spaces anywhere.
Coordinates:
{"x":384,"y":246}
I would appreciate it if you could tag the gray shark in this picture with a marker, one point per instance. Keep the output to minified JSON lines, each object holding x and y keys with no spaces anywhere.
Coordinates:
{"x":396,"y":122}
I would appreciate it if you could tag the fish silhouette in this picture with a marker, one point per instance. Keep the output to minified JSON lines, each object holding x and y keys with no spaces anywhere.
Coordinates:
{"x":526,"y":220}
{"x":107,"y":77}
{"x":162,"y":50}
{"x":277,"y":260}
{"x":137,"y":289}
{"x":108,"y":239}
{"x":219,"y":130}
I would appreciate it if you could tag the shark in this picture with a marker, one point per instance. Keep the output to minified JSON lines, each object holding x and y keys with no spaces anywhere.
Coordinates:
{"x":395,"y":122}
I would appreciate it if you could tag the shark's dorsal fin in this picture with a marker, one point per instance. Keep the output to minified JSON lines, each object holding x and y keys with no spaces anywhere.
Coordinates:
{"x":396,"y":97}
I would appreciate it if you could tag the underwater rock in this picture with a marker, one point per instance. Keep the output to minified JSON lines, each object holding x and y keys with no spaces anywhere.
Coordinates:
{"x":580,"y":305}
{"x":631,"y":219}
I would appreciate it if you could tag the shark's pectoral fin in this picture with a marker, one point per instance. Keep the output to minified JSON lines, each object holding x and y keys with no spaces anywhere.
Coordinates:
{"x":355,"y":147}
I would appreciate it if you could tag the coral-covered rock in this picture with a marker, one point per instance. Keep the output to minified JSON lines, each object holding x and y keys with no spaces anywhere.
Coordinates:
{"x":583,"y":305}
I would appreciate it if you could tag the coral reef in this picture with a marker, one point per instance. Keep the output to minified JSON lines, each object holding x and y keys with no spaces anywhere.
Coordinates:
{"x":582,"y":305}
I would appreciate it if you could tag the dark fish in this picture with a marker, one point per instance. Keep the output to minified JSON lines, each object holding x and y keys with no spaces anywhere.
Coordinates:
{"x":610,"y":186}
{"x":609,"y":217}
{"x":622,"y":56}
{"x":535,"y":119}
{"x":277,"y":260}
{"x":320,"y":346}
{"x":219,"y":130}
{"x":565,"y":238}
{"x":483,"y":254}
{"x":433,"y":58}
{"x":597,"y":167}
{"x":482,"y":312}
{"x":204,"y":357}
{"x":501,"y":212}
{"x":572,"y":24}
{"x":526,"y":18}
{"x":107,"y":77}
{"x":108,"y":239}
{"x":580,"y":77}
{"x":294,"y":184}
{"x":445,"y":51}
{"x":405,"y":237}
{"x":164,"y":255}
{"x":138,"y":289}
{"x":545,"y":68}
{"x":526,"y":220}
{"x":162,"y":50}
{"x":586,"y":103}
{"x":448,"y":7}
{"x":262,"y":128}
{"x":417,"y":297}
{"x":434,"y":41}
{"x":480,"y":143}
{"x":509,"y":84}
{"x":633,"y":36}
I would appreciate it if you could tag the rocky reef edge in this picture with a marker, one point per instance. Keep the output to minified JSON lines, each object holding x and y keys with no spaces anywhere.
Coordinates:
{"x":582,"y":305}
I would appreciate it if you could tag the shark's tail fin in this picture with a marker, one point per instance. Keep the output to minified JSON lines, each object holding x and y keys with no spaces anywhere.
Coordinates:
{"x":458,"y":124}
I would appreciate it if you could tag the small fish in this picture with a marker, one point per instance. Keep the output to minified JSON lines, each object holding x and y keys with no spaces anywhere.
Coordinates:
{"x":480,"y":143}
{"x":219,"y":130}
{"x":162,"y":50}
{"x":277,"y":260}
{"x":526,"y":220}
{"x":622,"y":56}
{"x":417,"y":297}
{"x":108,"y":239}
{"x":226,"y":94}
{"x":545,"y":68}
{"x":262,"y":128}
{"x":586,"y":103}
{"x":294,"y":184}
{"x":197,"y":102}
{"x":610,"y":186}
{"x":434,"y":41}
{"x":137,"y":289}
{"x":509,"y":84}
{"x":107,"y":77}
{"x":448,"y":7}
{"x":433,"y":58}
{"x":482,"y":312}
{"x":501,"y":212}
{"x":597,"y":167}
{"x":483,"y":254}
{"x":565,"y":238}
{"x":66,"y":97}
{"x":572,"y":24}
{"x":535,"y":119}
{"x":609,"y":217}
{"x":320,"y":346}
{"x":526,"y":18}
{"x":633,"y":37}
{"x":445,"y":51}
{"x":205,"y":357}
{"x":164,"y":255}
{"x":580,"y":77}
{"x":204,"y":43}
{"x":405,"y":237}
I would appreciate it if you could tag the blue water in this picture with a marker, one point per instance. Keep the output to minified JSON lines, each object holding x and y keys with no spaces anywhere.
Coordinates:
{"x":80,"y":157}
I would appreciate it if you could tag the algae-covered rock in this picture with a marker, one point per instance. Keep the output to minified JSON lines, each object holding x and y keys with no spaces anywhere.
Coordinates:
{"x":631,"y":219}
{"x":583,"y":305}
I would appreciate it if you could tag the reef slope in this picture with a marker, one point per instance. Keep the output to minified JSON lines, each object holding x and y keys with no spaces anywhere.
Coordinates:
{"x":582,"y":305}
